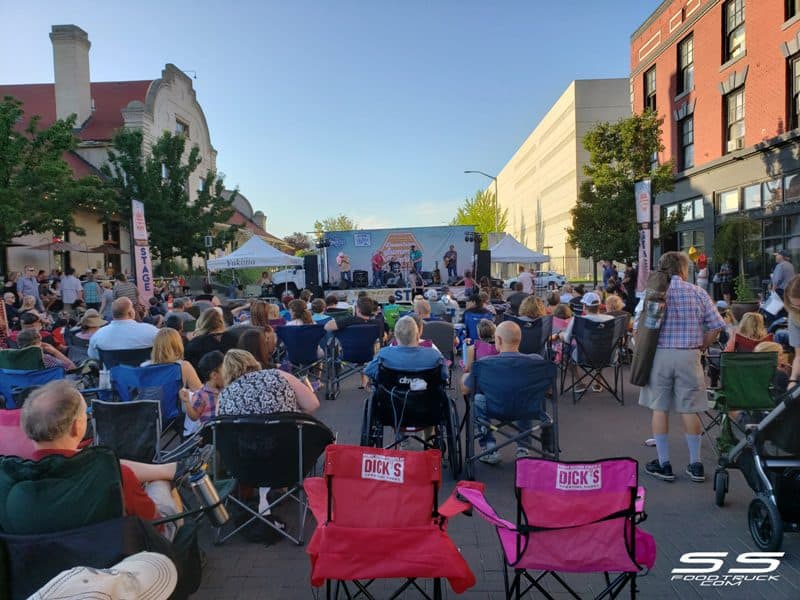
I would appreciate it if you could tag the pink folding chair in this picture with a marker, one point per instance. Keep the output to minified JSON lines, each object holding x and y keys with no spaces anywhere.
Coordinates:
{"x":573,"y":517}
{"x":13,"y":441}
{"x":378,"y":518}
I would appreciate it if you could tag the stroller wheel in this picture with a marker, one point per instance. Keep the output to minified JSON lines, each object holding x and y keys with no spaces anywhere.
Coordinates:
{"x":720,"y":487}
{"x":766,"y":525}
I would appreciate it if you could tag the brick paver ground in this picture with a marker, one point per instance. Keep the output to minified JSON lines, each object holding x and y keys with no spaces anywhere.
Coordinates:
{"x":682,"y":515}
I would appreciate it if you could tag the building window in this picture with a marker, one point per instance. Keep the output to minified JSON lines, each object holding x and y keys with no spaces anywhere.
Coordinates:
{"x":752,"y":197}
{"x":699,"y":208}
{"x":772,"y":192}
{"x":670,"y":211}
{"x":687,"y":143}
{"x":794,"y":91}
{"x":792,"y":8}
{"x":686,"y":64}
{"x":687,"y":209}
{"x":734,"y":29}
{"x":650,"y":90}
{"x":791,"y":188}
{"x":729,"y":202}
{"x":734,"y":120}
{"x":181,"y":128}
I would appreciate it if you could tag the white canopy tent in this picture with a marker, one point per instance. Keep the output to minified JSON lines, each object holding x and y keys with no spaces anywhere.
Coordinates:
{"x":255,"y":252}
{"x":509,"y":250}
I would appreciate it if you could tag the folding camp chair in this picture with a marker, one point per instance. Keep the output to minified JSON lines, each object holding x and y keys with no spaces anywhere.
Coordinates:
{"x":77,"y":348}
{"x":535,"y":333}
{"x":513,"y":393}
{"x":742,"y":343}
{"x":471,"y":320}
{"x":573,"y":518}
{"x":596,"y":348}
{"x":16,"y":385}
{"x":302,"y":346}
{"x":132,"y":358}
{"x":394,"y":404}
{"x":131,"y":429}
{"x":161,"y":383}
{"x":13,"y":441}
{"x":27,"y":359}
{"x":442,"y":334}
{"x":58,"y":513}
{"x":277,"y":451}
{"x":746,"y":384}
{"x":348,"y":351}
{"x":378,"y":517}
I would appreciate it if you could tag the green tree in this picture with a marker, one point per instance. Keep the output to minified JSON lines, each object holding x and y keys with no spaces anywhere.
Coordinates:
{"x":176,"y":223}
{"x":340,"y":222}
{"x":298,"y":241}
{"x":482,"y":211}
{"x":38,"y":191}
{"x":604,"y":218}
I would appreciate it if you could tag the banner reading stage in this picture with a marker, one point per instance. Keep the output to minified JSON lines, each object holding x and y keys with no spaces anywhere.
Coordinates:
{"x":142,"y":257}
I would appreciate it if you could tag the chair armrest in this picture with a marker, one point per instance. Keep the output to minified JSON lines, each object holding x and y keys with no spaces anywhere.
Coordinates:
{"x":474,"y":496}
{"x":639,"y":505}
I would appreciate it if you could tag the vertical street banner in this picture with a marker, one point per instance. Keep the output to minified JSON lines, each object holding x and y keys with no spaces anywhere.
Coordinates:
{"x":645,"y":260}
{"x":3,"y":324}
{"x":644,"y":217}
{"x":641,"y":189}
{"x":141,"y":250}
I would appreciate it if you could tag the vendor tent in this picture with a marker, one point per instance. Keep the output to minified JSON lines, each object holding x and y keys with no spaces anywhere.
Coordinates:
{"x":255,"y":252}
{"x":509,"y":250}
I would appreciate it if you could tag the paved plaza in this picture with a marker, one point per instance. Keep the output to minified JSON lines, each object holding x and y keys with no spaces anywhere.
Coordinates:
{"x":681,"y":515}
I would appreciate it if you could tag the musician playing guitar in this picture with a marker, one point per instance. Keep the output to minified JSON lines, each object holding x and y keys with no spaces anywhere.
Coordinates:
{"x":450,"y":260}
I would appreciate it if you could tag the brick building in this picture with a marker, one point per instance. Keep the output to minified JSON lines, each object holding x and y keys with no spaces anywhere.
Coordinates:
{"x":725,"y":75}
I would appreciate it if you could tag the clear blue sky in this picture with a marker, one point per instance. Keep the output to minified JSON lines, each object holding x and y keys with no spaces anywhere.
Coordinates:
{"x":373,"y":108}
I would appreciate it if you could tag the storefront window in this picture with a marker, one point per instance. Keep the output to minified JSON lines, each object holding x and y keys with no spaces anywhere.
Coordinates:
{"x":752,"y":197}
{"x":772,"y":192}
{"x":729,"y":202}
{"x":699,"y":208}
{"x":791,"y":187}
{"x":773,"y":227}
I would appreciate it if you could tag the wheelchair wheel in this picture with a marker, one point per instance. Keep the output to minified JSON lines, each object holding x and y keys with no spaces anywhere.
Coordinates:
{"x":365,"y":425}
{"x":720,"y":487}
{"x":453,"y":442}
{"x":766,"y":525}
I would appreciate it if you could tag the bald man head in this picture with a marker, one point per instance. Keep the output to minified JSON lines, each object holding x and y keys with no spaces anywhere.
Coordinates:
{"x":122,"y":308}
{"x":507,"y":337}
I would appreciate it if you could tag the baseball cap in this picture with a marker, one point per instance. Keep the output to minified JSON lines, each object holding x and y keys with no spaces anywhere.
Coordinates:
{"x":142,"y":576}
{"x":722,"y":305}
{"x":783,"y":253}
{"x":590,"y":299}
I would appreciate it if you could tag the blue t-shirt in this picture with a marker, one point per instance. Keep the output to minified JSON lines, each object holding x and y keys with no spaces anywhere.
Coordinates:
{"x":406,"y":358}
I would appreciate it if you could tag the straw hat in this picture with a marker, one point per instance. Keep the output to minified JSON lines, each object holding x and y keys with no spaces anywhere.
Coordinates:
{"x":92,"y":318}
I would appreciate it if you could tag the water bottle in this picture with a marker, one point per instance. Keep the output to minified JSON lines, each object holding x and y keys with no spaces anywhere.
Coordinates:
{"x":206,"y":493}
{"x":654,"y":314}
{"x":105,"y":379}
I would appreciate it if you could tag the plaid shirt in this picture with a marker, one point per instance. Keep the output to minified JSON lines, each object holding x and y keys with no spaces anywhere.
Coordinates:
{"x":690,"y":314}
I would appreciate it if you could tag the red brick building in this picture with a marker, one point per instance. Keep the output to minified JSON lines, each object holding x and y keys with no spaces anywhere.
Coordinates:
{"x":725,"y":75}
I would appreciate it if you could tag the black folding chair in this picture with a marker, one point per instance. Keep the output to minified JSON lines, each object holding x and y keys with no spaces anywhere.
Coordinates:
{"x":408,"y":412}
{"x":442,"y":334}
{"x":277,"y":451}
{"x":535,"y":333}
{"x":596,"y":348}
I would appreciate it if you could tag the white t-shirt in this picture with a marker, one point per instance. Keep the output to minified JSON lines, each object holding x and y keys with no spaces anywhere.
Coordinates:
{"x":71,"y":289}
{"x":526,"y":279}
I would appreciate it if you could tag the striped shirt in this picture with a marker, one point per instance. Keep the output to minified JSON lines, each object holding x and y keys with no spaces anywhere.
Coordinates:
{"x":690,"y":313}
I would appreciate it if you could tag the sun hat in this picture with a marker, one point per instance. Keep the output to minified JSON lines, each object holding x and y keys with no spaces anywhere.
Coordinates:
{"x":784,"y":253}
{"x":590,"y":299}
{"x":142,"y":576}
{"x":92,"y":318}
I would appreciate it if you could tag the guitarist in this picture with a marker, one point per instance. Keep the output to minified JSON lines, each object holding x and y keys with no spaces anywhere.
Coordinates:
{"x":450,"y":260}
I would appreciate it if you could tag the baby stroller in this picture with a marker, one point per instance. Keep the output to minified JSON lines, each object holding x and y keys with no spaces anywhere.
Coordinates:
{"x":769,"y":458}
{"x":395,"y":277}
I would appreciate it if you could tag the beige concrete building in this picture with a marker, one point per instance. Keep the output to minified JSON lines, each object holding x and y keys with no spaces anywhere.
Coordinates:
{"x":539,"y":185}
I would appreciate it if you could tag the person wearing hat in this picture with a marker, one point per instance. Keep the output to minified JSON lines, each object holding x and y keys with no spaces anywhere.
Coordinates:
{"x":89,"y":323}
{"x":783,"y":272}
{"x":31,"y":320}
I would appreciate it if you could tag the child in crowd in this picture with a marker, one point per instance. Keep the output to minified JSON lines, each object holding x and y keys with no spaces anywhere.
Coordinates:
{"x":201,"y":405}
{"x":780,"y":380}
{"x":483,"y":346}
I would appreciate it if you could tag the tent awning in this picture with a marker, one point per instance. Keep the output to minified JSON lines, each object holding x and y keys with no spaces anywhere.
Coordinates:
{"x":509,"y":250}
{"x":255,"y":252}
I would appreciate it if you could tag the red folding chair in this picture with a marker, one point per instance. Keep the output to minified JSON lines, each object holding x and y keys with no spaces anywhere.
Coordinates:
{"x":13,"y":441}
{"x":573,"y":518}
{"x":378,"y":518}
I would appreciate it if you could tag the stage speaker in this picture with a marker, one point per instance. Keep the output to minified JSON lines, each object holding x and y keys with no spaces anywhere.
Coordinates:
{"x":483,"y":268}
{"x":360,"y":279}
{"x":311,"y":266}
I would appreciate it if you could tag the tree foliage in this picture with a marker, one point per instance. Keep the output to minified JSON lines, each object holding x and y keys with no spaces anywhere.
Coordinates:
{"x":604,"y":218}
{"x":298,"y":241}
{"x":38,"y":191}
{"x":176,"y":223}
{"x":340,"y":222}
{"x":483,"y":212}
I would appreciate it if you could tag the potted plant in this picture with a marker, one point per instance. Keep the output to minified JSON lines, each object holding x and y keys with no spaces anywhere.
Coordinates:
{"x":738,"y":237}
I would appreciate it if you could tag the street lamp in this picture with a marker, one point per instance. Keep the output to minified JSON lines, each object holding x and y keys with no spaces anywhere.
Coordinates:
{"x":493,"y":178}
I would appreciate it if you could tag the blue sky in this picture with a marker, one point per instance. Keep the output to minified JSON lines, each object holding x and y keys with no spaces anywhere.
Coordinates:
{"x":372,"y":108}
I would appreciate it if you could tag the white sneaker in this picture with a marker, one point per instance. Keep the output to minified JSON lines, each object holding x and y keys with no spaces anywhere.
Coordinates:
{"x":523,"y":452}
{"x":492,"y":458}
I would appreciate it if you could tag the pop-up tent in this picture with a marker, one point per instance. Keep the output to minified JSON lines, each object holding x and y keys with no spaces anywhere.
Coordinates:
{"x":509,"y":250}
{"x":255,"y":252}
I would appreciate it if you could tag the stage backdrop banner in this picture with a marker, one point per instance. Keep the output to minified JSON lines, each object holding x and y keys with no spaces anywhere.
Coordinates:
{"x":396,"y":244}
{"x":142,"y":257}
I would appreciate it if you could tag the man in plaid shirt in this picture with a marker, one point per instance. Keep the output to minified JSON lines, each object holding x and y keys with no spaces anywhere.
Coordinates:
{"x":677,"y":382}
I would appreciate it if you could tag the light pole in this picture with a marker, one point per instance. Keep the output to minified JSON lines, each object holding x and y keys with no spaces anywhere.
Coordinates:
{"x":493,"y":178}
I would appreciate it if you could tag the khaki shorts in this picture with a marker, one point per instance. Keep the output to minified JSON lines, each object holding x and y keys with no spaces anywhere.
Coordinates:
{"x":677,"y":382}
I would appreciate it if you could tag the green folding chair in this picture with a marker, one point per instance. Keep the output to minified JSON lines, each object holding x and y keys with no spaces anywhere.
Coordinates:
{"x":746,"y":384}
{"x":26,"y":359}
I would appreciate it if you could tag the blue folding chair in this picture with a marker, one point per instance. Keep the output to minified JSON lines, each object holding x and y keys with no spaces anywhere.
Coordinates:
{"x":131,"y":358}
{"x":15,"y":385}
{"x":301,"y":344}
{"x":471,"y":320}
{"x":348,"y":351}
{"x":154,"y":382}
{"x":513,"y":392}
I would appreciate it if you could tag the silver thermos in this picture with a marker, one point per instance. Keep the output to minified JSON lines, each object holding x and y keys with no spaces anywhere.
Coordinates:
{"x":206,"y":493}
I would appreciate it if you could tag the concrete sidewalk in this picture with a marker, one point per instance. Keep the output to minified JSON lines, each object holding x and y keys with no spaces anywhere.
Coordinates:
{"x":681,"y":515}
